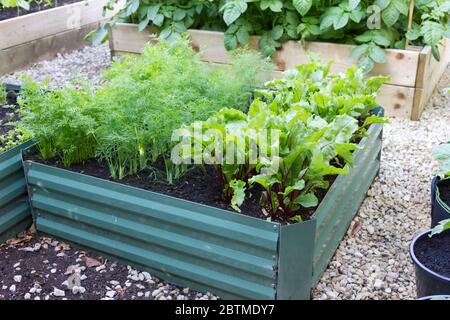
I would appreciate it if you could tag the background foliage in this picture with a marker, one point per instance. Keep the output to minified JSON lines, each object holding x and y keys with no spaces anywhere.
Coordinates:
{"x":276,"y":21}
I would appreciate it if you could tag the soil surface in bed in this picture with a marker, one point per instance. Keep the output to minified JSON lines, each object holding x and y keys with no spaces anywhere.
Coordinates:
{"x":434,"y":253}
{"x":195,"y":186}
{"x":34,"y":7}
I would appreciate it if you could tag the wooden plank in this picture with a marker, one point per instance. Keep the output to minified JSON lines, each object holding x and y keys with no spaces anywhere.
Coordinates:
{"x":397,"y":101}
{"x":23,"y":55}
{"x":23,"y":29}
{"x":428,"y":75}
{"x":401,"y":66}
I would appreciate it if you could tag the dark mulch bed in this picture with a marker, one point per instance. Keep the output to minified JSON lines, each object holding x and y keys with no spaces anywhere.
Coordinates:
{"x":434,"y":253}
{"x":53,"y":263}
{"x":194,"y":186}
{"x":34,"y":7}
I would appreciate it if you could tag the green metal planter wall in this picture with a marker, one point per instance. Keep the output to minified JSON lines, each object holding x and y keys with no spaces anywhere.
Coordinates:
{"x":15,"y":213}
{"x":207,"y":249}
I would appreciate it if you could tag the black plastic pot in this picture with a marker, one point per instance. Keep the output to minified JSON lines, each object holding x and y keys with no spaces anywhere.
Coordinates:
{"x":435,"y":298}
{"x":428,"y":282}
{"x":439,"y":211}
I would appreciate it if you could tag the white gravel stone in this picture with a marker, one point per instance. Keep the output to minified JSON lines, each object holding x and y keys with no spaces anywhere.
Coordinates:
{"x":12,"y":288}
{"x":58,"y":293}
{"x":111,"y":293}
{"x":17,"y":278}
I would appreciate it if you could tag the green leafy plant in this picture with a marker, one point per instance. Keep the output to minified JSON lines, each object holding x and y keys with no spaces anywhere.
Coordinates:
{"x":441,"y":153}
{"x":312,"y":122}
{"x":128,"y":121}
{"x":3,"y":95}
{"x":441,"y":227}
{"x":23,"y":4}
{"x":277,"y":21}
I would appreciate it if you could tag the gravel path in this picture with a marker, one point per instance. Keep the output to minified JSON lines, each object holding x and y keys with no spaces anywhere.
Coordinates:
{"x":372,"y":261}
{"x":83,"y":64}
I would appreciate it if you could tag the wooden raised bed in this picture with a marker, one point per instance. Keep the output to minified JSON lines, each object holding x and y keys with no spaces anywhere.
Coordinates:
{"x":41,"y":35}
{"x":414,"y":73}
{"x":205,"y":248}
{"x":15,"y":214}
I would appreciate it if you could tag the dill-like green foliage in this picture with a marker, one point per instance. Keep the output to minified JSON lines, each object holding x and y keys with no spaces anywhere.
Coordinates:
{"x":128,"y":121}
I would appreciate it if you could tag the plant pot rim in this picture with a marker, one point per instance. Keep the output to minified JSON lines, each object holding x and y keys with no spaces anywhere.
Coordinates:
{"x":441,"y":296}
{"x":420,"y":264}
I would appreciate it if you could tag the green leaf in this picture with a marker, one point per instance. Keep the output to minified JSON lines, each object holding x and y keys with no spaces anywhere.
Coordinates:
{"x":143,"y":24}
{"x":356,"y":15}
{"x":441,"y":227}
{"x":98,"y":36}
{"x":359,"y":50}
{"x":132,"y":7}
{"x":152,"y":11}
{"x":352,"y":4}
{"x":436,"y":53}
{"x":308,"y":200}
{"x":243,"y":36}
{"x":382,"y":4}
{"x":179,"y":14}
{"x":413,"y":34}
{"x":390,"y":15}
{"x":341,"y":20}
{"x":277,"y":32}
{"x":233,"y":9}
{"x":274,"y":5}
{"x":432,"y":32}
{"x":366,"y":64}
{"x":302,"y":6}
{"x":374,"y":119}
{"x":401,"y":6}
{"x":377,"y":54}
{"x":238,"y":198}
{"x":159,"y":20}
{"x":441,"y":153}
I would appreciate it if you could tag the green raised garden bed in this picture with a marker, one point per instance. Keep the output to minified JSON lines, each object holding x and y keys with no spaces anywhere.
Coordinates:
{"x":15,"y":215}
{"x":205,"y":248}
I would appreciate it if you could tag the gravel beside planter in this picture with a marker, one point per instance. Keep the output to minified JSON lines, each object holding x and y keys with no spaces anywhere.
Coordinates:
{"x":372,"y":262}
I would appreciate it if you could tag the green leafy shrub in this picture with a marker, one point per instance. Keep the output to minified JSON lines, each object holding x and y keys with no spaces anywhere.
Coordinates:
{"x":443,"y":225}
{"x":318,"y":119}
{"x":128,"y":121}
{"x":276,"y":21}
{"x":24,"y":4}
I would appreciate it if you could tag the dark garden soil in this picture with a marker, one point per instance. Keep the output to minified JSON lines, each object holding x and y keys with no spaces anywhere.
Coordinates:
{"x":31,"y":268}
{"x":434,"y":253}
{"x":444,"y":190}
{"x":194,"y":186}
{"x":34,"y":7}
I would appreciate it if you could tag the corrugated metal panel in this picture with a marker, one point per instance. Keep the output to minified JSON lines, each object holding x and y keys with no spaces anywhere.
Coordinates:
{"x":344,"y":199}
{"x":15,"y":213}
{"x":295,"y":261}
{"x":205,"y":248}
